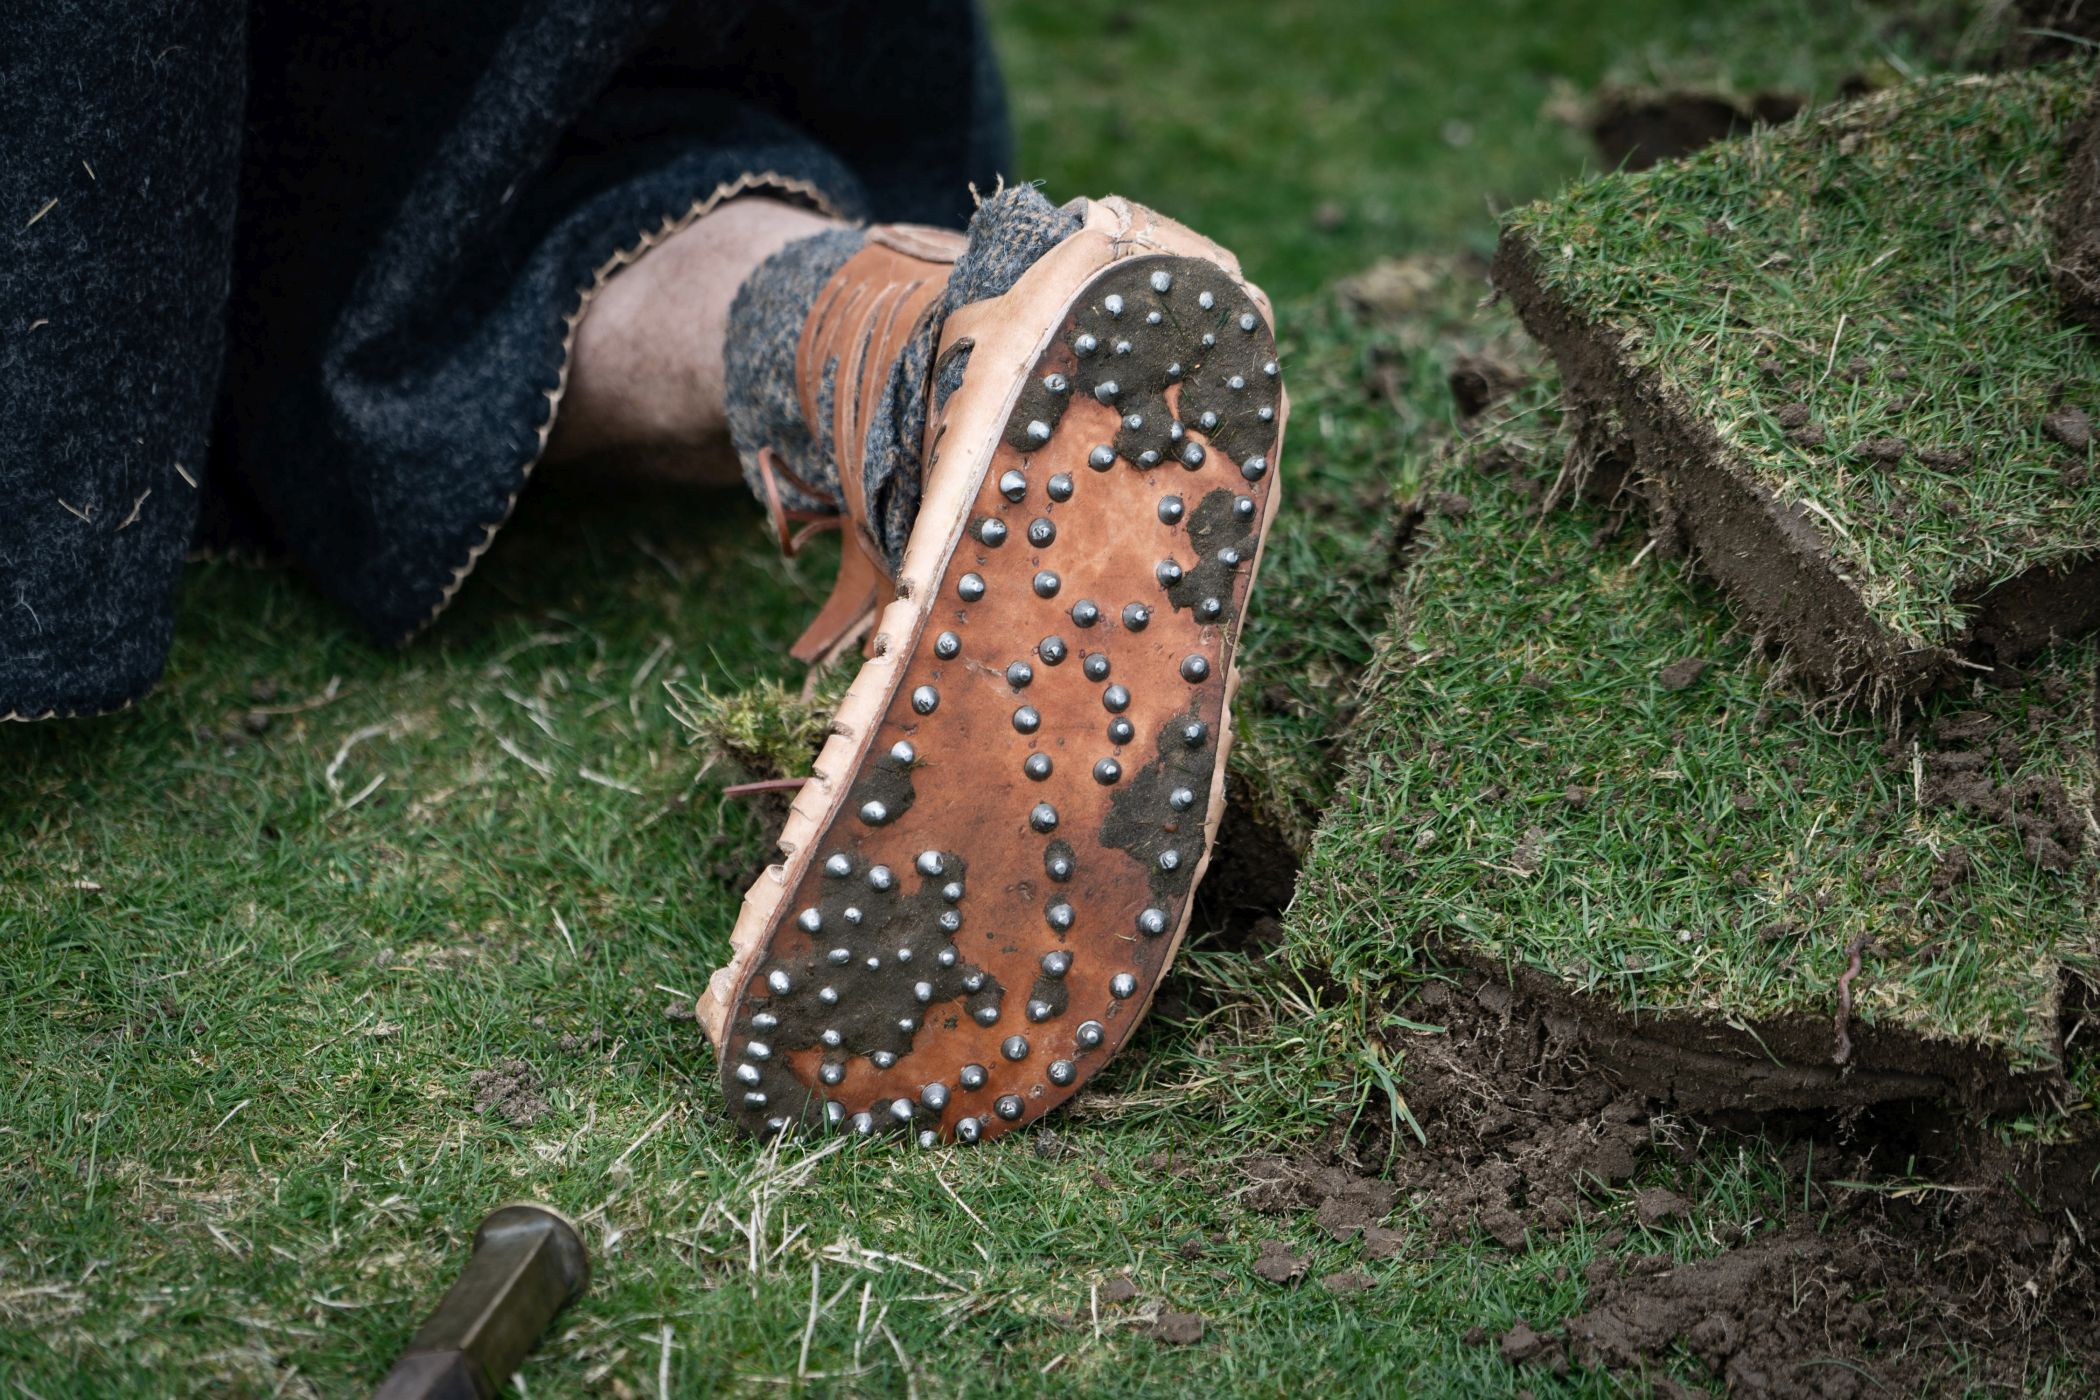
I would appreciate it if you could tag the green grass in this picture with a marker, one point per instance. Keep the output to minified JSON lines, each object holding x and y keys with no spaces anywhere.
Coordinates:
{"x":246,"y":980}
{"x":1315,"y":138}
{"x":243,"y":993}
{"x":1528,"y":788}
{"x":1891,"y":258}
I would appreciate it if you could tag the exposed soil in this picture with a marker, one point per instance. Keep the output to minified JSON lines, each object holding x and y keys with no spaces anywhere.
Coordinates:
{"x":2073,"y":427}
{"x":2078,"y":217}
{"x":509,"y":1090}
{"x":1278,"y":1263}
{"x":1682,"y":675}
{"x":2044,"y":31}
{"x":1634,"y":129}
{"x":1960,"y":771}
{"x":1253,"y":872}
{"x":1769,"y":556}
{"x":1480,"y":380}
{"x":1890,"y":1252}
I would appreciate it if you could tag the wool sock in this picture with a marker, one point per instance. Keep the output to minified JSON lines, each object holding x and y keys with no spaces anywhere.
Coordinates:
{"x":1010,"y":230}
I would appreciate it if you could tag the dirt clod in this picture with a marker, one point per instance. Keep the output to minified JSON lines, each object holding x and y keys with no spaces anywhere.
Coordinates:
{"x":511,"y":1091}
{"x":1682,"y":675}
{"x":2073,"y":427}
{"x":1793,"y":415}
{"x":1656,"y":1206}
{"x":1381,"y":1243}
{"x":1884,"y":451}
{"x":1521,"y":1345}
{"x":1355,"y":1206}
{"x":1118,"y":1290}
{"x":1345,"y":1203}
{"x":1345,"y":1282}
{"x":1278,"y":1263}
{"x":1178,"y":1328}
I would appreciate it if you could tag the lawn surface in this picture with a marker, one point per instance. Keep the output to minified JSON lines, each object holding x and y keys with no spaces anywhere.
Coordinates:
{"x":322,"y":952}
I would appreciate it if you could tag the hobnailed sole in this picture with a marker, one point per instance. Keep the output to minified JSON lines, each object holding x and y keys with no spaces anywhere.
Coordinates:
{"x":992,"y":867}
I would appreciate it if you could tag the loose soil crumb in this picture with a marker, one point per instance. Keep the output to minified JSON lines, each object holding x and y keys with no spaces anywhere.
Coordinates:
{"x":509,"y":1091}
{"x":1522,"y":1346}
{"x":1347,"y":1281}
{"x":1655,"y":1206}
{"x":2072,"y":427}
{"x":1178,"y":1328}
{"x":1118,"y":1290}
{"x":1278,"y":1263}
{"x":1842,"y":1283}
{"x":1683,"y":675}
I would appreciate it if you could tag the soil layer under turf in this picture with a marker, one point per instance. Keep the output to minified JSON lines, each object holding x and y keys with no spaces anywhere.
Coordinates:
{"x":2078,"y":220}
{"x":1830,"y":356}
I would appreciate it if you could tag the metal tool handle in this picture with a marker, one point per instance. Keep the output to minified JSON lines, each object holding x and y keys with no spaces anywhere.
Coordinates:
{"x":528,"y":1264}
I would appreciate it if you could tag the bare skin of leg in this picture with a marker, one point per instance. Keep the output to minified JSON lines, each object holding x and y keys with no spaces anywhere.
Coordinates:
{"x":646,"y":396}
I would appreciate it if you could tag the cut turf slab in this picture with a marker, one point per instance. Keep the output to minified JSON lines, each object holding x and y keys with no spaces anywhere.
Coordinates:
{"x":1830,"y":354}
{"x":1574,"y":773}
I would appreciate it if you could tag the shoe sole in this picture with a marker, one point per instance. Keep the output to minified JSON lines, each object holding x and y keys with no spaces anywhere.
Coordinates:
{"x":991,"y":868}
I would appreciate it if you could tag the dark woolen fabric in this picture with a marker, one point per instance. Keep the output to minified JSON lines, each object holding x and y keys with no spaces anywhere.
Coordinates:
{"x":112,"y":303}
{"x":423,"y":189}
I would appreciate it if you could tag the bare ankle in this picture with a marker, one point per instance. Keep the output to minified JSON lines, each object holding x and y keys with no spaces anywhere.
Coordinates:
{"x":646,"y":370}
